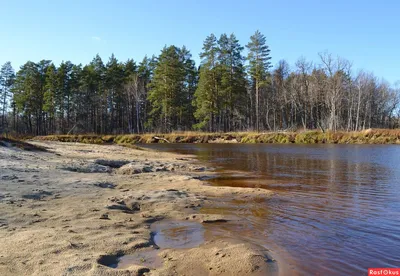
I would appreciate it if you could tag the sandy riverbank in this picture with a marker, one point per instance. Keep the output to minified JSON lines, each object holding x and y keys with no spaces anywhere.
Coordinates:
{"x":77,"y":208}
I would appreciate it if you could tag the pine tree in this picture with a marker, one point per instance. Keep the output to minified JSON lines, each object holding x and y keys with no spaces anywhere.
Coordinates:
{"x":259,"y":64}
{"x":27,"y":95}
{"x":63,"y":96}
{"x":185,"y":108}
{"x":224,"y":77}
{"x":93,"y":114}
{"x":98,"y":96}
{"x":233,"y":81}
{"x":130,"y":67}
{"x":166,"y":89}
{"x":40,"y":125}
{"x":7,"y":77}
{"x":86,"y":113}
{"x":206,"y":95}
{"x":114,"y":78}
{"x":76,"y":97}
{"x":50,"y":98}
{"x":145,"y":74}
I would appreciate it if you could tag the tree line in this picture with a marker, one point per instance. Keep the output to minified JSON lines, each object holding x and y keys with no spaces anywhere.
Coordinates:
{"x":234,"y":88}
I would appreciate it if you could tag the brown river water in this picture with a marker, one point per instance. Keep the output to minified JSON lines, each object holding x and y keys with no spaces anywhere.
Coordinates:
{"x":336,"y":208}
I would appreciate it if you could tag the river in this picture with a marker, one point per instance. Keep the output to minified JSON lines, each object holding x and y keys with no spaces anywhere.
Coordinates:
{"x":336,"y":208}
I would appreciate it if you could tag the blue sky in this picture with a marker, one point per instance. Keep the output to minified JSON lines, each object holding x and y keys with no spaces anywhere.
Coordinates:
{"x":365,"y":32}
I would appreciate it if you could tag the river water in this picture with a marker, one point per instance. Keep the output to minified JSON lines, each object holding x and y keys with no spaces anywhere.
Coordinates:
{"x":336,"y":208}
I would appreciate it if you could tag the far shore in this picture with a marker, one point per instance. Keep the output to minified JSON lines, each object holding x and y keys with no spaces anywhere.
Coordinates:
{"x":369,"y":136}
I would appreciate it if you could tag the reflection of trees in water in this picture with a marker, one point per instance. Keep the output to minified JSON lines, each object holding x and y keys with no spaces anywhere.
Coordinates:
{"x":305,"y":167}
{"x":327,"y":177}
{"x":336,"y":182}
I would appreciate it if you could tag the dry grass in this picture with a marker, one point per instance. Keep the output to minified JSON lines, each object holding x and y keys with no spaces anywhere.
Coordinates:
{"x":370,"y":136}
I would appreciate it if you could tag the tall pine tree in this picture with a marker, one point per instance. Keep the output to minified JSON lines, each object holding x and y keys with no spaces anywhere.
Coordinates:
{"x":166,"y":89}
{"x":259,"y":64}
{"x":7,"y":77}
{"x":206,"y":95}
{"x":114,"y":79}
{"x":50,"y":94}
{"x":233,"y":82}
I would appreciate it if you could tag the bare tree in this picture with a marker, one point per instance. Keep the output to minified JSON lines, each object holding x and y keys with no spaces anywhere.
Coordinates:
{"x":337,"y":71}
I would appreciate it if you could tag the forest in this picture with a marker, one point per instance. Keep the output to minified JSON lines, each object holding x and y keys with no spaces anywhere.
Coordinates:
{"x":234,"y":88}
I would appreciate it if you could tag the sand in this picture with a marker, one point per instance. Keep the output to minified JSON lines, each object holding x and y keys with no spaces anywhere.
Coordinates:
{"x":77,"y":208}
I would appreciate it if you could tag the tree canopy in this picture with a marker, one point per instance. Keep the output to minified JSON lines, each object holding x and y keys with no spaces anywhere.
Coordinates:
{"x":234,"y":88}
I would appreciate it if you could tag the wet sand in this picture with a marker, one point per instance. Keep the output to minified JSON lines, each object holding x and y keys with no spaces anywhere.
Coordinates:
{"x":82,"y":209}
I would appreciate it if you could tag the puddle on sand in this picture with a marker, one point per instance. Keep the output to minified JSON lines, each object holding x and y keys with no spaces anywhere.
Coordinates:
{"x":177,"y":234}
{"x":147,"y":258}
{"x":165,"y":234}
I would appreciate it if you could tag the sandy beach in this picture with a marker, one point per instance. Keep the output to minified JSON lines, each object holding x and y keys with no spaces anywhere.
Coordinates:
{"x":81,"y":209}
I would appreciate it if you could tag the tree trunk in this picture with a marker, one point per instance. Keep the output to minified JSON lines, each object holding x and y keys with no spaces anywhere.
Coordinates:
{"x":257,"y":108}
{"x":358,"y":108}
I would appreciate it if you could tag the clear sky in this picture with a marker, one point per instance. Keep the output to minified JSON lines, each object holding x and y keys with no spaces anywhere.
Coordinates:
{"x":366,"y":32}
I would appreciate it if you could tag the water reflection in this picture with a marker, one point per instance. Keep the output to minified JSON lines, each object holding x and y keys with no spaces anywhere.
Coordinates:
{"x":177,"y":234}
{"x":336,"y":209}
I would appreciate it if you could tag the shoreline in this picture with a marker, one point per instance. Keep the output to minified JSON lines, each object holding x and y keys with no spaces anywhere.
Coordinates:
{"x":369,"y":136}
{"x":75,"y":207}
